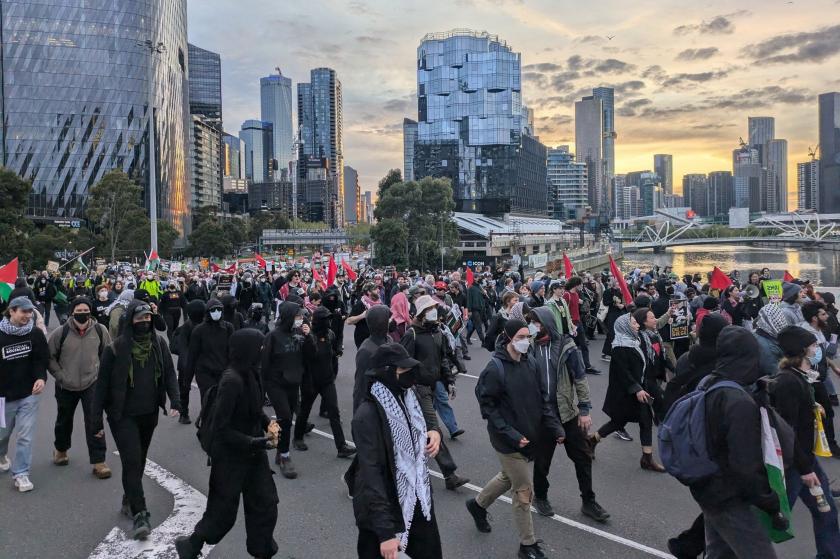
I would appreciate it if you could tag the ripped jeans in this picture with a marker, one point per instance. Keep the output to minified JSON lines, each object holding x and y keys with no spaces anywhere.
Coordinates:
{"x":516,"y":476}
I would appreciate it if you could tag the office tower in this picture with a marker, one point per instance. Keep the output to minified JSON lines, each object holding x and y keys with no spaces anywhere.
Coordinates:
{"x":607,"y":97}
{"x":276,"y":108}
{"x":589,"y":126}
{"x":829,"y":125}
{"x":471,"y":125}
{"x":75,"y":101}
{"x":746,"y":170}
{"x":274,"y":195}
{"x":663,"y":165}
{"x":761,"y":129}
{"x":776,"y":177}
{"x":206,"y":158}
{"x":205,"y":78}
{"x":351,"y":195}
{"x":258,"y":137}
{"x":620,"y":199}
{"x":320,"y":123}
{"x":696,"y":193}
{"x":409,"y":139}
{"x":721,"y":193}
{"x":233,"y":155}
{"x":807,"y":184}
{"x":567,"y":184}
{"x":650,"y":193}
{"x":369,"y":207}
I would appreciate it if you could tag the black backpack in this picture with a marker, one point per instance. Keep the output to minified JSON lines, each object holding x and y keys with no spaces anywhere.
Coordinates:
{"x":65,"y":331}
{"x":205,"y":424}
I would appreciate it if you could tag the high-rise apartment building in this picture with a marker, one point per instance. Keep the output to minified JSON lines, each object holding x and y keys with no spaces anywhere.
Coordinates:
{"x":409,"y":140}
{"x":721,"y":193}
{"x":807,"y":185}
{"x":589,"y":146}
{"x":746,"y":170}
{"x":206,"y":157}
{"x":351,"y":195}
{"x":567,"y":184}
{"x":258,"y":137}
{"x":472,"y":127}
{"x":829,"y":130}
{"x":205,"y":84}
{"x":276,"y":108}
{"x":761,"y":129}
{"x":233,"y":156}
{"x":607,"y":97}
{"x":775,"y":184}
{"x":663,"y":165}
{"x":770,"y":192}
{"x":650,"y":193}
{"x":76,"y":98}
{"x":696,"y":193}
{"x":320,"y":124}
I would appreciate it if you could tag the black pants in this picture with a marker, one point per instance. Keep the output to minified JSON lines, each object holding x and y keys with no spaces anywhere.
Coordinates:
{"x":249,"y":475}
{"x":423,"y":539}
{"x":172,"y":318}
{"x":444,"y":460}
{"x":577,"y":449}
{"x":66,"y":402}
{"x":645,"y":427}
{"x":185,"y":378}
{"x":692,"y":542}
{"x":133,"y":435}
{"x":329,"y":401}
{"x":822,"y":398}
{"x":205,"y":380}
{"x":47,"y":306}
{"x":284,"y":400}
{"x":583,"y":343}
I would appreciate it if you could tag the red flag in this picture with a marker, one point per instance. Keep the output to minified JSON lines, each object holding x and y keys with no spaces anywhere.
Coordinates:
{"x":619,"y":279}
{"x":260,"y":260}
{"x":230,"y":269}
{"x":719,"y":281}
{"x":214,"y":267}
{"x":332,"y":270}
{"x":317,"y":277}
{"x":350,"y":273}
{"x":788,"y":278}
{"x":470,"y":277}
{"x":567,"y":265}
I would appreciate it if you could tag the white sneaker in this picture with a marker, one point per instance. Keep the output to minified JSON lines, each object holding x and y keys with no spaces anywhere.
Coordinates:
{"x":23,"y":484}
{"x":5,"y":464}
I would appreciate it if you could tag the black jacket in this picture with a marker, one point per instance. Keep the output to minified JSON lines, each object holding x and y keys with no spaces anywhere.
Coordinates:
{"x":733,"y":430}
{"x":793,"y":398}
{"x":377,"y":319}
{"x":112,"y":383}
{"x":627,"y":368}
{"x":692,"y":367}
{"x":515,"y":404}
{"x":23,"y":360}
{"x":209,"y":348}
{"x":282,"y":354}
{"x":427,"y":344}
{"x":172,"y":302}
{"x":321,"y":349}
{"x":182,"y":335}
{"x":231,"y":314}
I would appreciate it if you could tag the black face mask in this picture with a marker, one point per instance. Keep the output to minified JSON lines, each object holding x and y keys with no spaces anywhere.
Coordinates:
{"x":407,"y":379}
{"x":81,"y":317}
{"x":142,"y":328}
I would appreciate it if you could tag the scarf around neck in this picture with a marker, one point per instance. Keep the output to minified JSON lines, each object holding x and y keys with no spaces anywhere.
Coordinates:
{"x":408,"y":431}
{"x":625,"y":337}
{"x":10,"y":329}
{"x":141,"y":350}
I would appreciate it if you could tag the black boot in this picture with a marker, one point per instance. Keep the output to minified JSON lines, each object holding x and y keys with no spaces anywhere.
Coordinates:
{"x":594,"y":511}
{"x":142,"y":528}
{"x":186,"y":548}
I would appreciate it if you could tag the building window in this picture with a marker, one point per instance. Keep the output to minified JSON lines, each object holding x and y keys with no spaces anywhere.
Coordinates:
{"x":506,"y":251}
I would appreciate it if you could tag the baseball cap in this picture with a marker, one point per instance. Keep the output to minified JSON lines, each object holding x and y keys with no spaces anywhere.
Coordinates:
{"x":23,"y":303}
{"x":141,"y":310}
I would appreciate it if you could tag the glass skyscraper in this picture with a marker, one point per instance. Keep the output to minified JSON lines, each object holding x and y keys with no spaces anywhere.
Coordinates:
{"x":409,"y":139}
{"x":829,"y":121}
{"x":206,"y":84}
{"x":589,"y":147}
{"x":472,"y":127}
{"x":663,"y":165}
{"x":567,"y":184}
{"x":607,"y":97}
{"x":75,"y":100}
{"x":258,"y":137}
{"x":276,"y":105}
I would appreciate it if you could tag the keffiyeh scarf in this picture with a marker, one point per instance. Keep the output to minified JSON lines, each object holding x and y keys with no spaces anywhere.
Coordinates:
{"x":408,"y":431}
{"x":11,"y":330}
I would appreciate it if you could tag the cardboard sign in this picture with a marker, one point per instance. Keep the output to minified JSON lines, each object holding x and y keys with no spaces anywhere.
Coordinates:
{"x":773,"y":289}
{"x":52,"y":266}
{"x":225,"y":281}
{"x":679,"y":331}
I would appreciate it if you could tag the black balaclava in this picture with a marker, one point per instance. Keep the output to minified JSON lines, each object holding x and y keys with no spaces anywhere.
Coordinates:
{"x":321,"y":321}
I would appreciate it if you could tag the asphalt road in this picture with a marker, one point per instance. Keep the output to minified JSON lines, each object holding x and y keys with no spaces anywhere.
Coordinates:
{"x":70,"y":512}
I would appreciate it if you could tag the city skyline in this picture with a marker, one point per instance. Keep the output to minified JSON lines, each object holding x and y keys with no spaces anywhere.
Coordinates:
{"x":683,"y":88}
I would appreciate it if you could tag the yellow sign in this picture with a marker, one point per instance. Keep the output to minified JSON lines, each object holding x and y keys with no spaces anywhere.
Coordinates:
{"x":773,"y":289}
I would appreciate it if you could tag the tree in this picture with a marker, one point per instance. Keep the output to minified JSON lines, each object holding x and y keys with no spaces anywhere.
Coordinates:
{"x":393,"y":177}
{"x":202,"y":213}
{"x":209,"y":240}
{"x":390,"y":237}
{"x":114,"y":209}
{"x":359,"y":234}
{"x":15,"y":227}
{"x":266,"y":220}
{"x":45,"y":243}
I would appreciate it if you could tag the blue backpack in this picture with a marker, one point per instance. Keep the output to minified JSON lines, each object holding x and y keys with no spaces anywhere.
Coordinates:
{"x":683,"y":445}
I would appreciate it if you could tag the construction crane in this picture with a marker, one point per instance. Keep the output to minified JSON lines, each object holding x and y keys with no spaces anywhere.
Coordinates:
{"x":812,"y":152}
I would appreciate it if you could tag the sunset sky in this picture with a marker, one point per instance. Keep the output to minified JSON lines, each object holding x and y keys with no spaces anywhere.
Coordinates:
{"x":686,"y":76}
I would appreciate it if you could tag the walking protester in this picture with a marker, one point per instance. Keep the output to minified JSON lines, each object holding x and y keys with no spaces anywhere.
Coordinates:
{"x":196,"y":311}
{"x":116,"y":311}
{"x":793,"y":397}
{"x":497,"y":325}
{"x":24,"y":358}
{"x":771,"y":320}
{"x":477,"y":307}
{"x":74,"y":352}
{"x":614,"y":301}
{"x":208,"y":354}
{"x":321,"y":352}
{"x":733,"y":434}
{"x":255,"y":319}
{"x":816,"y":321}
{"x":792,"y":302}
{"x":560,"y":308}
{"x":629,"y":398}
{"x":460,"y":305}
{"x":656,"y":362}
{"x":517,"y":414}
{"x":560,"y":365}
{"x":102,"y":304}
{"x":45,"y":291}
{"x":358,"y":313}
{"x":377,"y":321}
{"x":136,"y":374}
{"x":282,"y":374}
{"x":172,"y":303}
{"x":392,"y":502}
{"x":230,"y":314}
{"x":733,"y":305}
{"x":400,"y":314}
{"x":242,"y":434}
{"x":334,"y":303}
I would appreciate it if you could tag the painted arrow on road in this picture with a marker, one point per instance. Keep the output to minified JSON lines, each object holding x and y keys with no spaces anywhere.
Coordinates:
{"x":189,"y":506}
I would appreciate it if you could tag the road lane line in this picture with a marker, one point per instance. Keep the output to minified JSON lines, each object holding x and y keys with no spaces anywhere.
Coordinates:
{"x":561,"y":519}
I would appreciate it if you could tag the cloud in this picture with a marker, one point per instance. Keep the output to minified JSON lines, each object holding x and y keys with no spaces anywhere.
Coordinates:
{"x":655,"y":73}
{"x":815,"y":46}
{"x":718,"y":25}
{"x":542,"y":67}
{"x":700,"y":77}
{"x":593,"y":66}
{"x":397,"y":105}
{"x":626,"y":88}
{"x":629,"y":108}
{"x":745,"y":99}
{"x":591,"y":39}
{"x":698,"y":54}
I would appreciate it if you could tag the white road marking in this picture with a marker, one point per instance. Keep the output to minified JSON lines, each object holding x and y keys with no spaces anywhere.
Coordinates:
{"x":466,"y":375}
{"x":186,"y":512}
{"x":562,"y":519}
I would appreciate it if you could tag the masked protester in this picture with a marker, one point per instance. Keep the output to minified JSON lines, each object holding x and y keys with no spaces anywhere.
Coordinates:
{"x":135,"y":376}
{"x":239,"y":463}
{"x":181,"y":347}
{"x":393,"y":499}
{"x":358,"y":314}
{"x":208,"y":351}
{"x":255,"y":318}
{"x":230,"y":312}
{"x":172,"y":303}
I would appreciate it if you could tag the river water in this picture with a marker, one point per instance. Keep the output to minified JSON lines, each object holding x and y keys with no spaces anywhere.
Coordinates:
{"x":819,"y":266}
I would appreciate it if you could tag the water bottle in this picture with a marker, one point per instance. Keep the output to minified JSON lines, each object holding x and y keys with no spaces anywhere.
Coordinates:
{"x":819,"y":497}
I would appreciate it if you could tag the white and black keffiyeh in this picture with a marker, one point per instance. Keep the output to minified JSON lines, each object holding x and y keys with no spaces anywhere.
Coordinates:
{"x":409,"y":454}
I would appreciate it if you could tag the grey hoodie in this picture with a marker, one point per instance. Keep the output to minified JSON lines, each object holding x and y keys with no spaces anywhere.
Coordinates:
{"x":78,"y":367}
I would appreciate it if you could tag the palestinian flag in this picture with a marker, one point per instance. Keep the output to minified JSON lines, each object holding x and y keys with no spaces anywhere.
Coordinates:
{"x":153,"y":261}
{"x":8,"y":275}
{"x":772,"y":450}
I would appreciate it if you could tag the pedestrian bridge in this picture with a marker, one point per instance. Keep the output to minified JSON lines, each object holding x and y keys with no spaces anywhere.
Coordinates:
{"x":660,"y":246}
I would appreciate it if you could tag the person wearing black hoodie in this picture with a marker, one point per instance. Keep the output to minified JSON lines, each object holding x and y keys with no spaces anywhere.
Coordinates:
{"x":136,"y":374}
{"x":230,"y":313}
{"x":733,"y":432}
{"x":208,"y":351}
{"x":172,"y":305}
{"x":181,"y":347}
{"x":282,"y":374}
{"x":321,"y":351}
{"x":239,"y":463}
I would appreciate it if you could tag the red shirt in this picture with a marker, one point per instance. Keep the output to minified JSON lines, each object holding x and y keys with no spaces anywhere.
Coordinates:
{"x":573,"y":300}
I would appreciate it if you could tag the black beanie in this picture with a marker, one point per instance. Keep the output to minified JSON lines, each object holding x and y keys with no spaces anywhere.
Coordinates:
{"x":794,"y":340}
{"x":80,"y":301}
{"x":513,"y":326}
{"x":710,"y":303}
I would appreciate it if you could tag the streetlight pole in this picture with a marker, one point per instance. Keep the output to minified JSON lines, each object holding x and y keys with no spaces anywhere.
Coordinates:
{"x":153,"y":48}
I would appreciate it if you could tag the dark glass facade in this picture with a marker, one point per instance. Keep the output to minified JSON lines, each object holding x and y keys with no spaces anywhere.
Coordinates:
{"x":205,"y":83}
{"x":75,"y":99}
{"x":829,"y":189}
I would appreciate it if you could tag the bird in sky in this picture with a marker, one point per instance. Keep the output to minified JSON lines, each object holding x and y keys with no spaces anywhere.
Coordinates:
{"x":611,"y":37}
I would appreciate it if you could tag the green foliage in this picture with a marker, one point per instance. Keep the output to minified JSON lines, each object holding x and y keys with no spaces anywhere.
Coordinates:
{"x":203,"y":213}
{"x":414,"y":220}
{"x":209,"y":239}
{"x":359,"y":234}
{"x":15,"y":227}
{"x":310,"y":225}
{"x":393,"y":177}
{"x":114,"y":210}
{"x":266,"y":220}
{"x":46,"y":242}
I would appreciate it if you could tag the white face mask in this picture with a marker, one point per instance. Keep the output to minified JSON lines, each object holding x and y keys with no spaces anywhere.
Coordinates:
{"x":533,"y":330}
{"x":521,"y":346}
{"x":431,"y":316}
{"x":216,"y":315}
{"x":103,"y":294}
{"x":298,"y":322}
